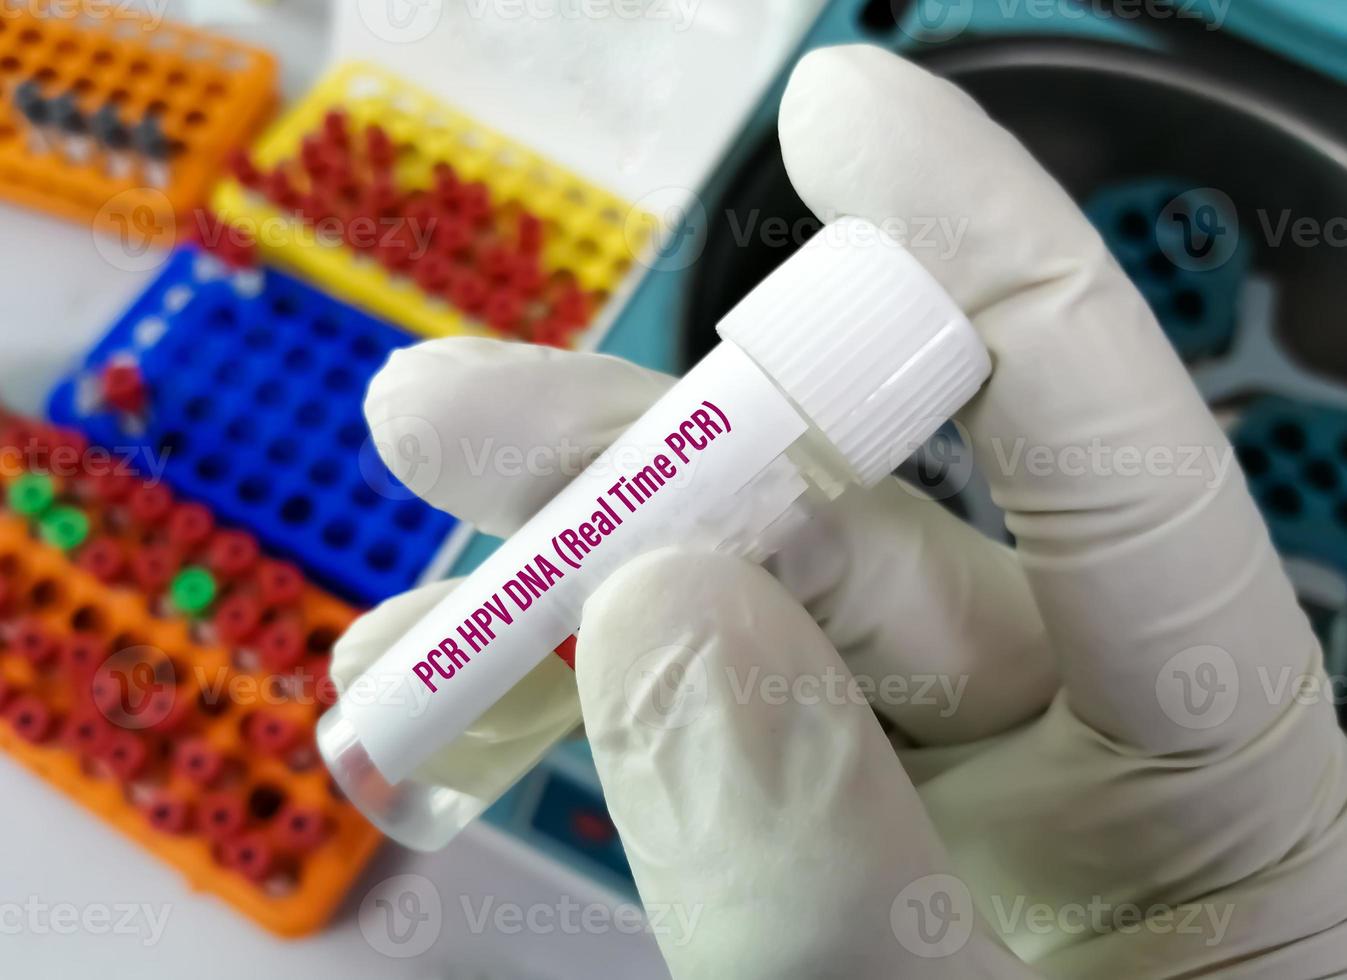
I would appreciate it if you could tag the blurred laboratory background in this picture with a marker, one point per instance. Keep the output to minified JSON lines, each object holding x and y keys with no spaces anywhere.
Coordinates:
{"x":209,"y":221}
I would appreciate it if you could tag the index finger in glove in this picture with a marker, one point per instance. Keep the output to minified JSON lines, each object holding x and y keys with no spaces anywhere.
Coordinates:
{"x":497,"y":428}
{"x":1145,"y":554}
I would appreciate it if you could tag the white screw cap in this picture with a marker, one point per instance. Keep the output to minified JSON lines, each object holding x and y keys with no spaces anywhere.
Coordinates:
{"x":863,"y":339}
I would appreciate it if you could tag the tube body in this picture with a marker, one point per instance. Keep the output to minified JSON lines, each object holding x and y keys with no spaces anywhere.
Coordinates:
{"x":724,"y":461}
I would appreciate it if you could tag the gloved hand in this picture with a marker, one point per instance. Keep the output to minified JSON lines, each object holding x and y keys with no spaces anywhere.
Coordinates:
{"x":1106,"y":765}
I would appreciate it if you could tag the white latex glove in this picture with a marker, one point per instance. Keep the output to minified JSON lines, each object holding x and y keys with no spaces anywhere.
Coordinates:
{"x":1128,"y":736}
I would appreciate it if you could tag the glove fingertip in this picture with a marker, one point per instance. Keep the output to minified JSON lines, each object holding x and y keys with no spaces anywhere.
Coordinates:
{"x":370,"y":634}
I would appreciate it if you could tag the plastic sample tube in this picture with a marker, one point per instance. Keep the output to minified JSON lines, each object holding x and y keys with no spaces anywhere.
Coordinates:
{"x":72,"y":127}
{"x":835,"y":369}
{"x":155,"y":149}
{"x":36,"y":112}
{"x":115,"y":138}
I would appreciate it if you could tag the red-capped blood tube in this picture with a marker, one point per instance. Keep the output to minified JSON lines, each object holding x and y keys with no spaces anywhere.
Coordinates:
{"x":189,"y":525}
{"x":222,"y":814}
{"x":250,"y":855}
{"x":237,"y":617}
{"x":271,"y":734}
{"x":33,"y":721}
{"x":281,"y":645}
{"x":280,"y":583}
{"x":232,"y":553}
{"x":198,"y":761}
{"x":103,"y":558}
{"x":168,"y":813}
{"x":301,"y":828}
